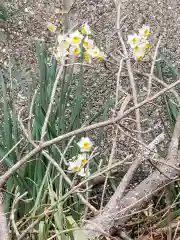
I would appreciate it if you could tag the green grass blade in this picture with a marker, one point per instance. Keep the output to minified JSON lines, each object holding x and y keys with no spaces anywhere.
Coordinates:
{"x":173,"y":112}
{"x":3,"y":13}
{"x":173,"y":71}
{"x":7,"y":117}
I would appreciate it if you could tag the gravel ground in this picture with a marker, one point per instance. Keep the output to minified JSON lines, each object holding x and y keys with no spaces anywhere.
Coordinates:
{"x":30,"y":24}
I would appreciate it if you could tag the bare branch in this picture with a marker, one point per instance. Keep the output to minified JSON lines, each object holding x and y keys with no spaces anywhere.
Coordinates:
{"x":136,"y":198}
{"x":152,"y":67}
{"x":42,"y":146}
{"x":43,"y":132}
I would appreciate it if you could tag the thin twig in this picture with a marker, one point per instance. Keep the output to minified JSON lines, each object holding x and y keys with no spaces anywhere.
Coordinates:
{"x":109,"y":164}
{"x":5,"y":156}
{"x":114,"y":132}
{"x":129,"y":68}
{"x":135,"y":198}
{"x":42,"y":146}
{"x":162,"y":82}
{"x":133,"y":86}
{"x":60,"y":170}
{"x":152,"y":67}
{"x":13,"y":210}
{"x":71,"y":191}
{"x":43,"y":132}
{"x":128,"y":176}
{"x":30,"y":115}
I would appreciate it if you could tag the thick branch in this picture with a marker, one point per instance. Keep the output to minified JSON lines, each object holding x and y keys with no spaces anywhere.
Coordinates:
{"x":135,"y":199}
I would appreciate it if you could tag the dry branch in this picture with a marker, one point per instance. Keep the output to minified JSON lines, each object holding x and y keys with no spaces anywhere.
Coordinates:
{"x":112,"y":121}
{"x":118,"y":209}
{"x":128,"y":176}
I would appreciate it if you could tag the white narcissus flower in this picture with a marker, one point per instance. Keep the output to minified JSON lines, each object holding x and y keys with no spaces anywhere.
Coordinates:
{"x":87,"y":57}
{"x":88,"y":43}
{"x":74,"y":166}
{"x":94,"y":52}
{"x":61,"y":54}
{"x":139,"y":48}
{"x":139,"y":54}
{"x":82,"y":158}
{"x":62,"y":41}
{"x":101,"y":56}
{"x":51,"y":27}
{"x":85,"y":29}
{"x":85,"y":144}
{"x":145,"y":31}
{"x":146,"y":44}
{"x":133,"y":40}
{"x":75,"y":38}
{"x":75,"y":50}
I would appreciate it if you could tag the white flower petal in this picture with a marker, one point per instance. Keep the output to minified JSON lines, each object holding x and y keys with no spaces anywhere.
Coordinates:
{"x":145,"y":31}
{"x":74,"y":166}
{"x":82,"y":158}
{"x":82,"y":172}
{"x":138,"y":56}
{"x":85,"y":29}
{"x":85,"y":144}
{"x":51,"y":27}
{"x":101,"y":56}
{"x":133,"y":40}
{"x":94,"y":52}
{"x":88,"y":43}
{"x":75,"y":50}
{"x":75,"y":38}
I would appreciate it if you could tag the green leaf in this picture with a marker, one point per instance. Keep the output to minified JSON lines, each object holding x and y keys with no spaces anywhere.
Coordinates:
{"x":43,"y":231}
{"x":173,"y":111}
{"x":3,"y":13}
{"x":8,"y":142}
{"x":173,"y":71}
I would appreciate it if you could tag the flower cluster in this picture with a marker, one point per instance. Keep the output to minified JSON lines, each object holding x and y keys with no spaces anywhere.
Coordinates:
{"x":139,"y":42}
{"x":79,"y":165}
{"x":75,"y":42}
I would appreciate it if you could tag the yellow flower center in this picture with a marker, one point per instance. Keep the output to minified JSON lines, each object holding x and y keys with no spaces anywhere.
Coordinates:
{"x":76,"y":39}
{"x":146,"y":32}
{"x":65,"y":43}
{"x":100,"y":58}
{"x":137,"y":49}
{"x":59,"y":59}
{"x":146,"y":45}
{"x":50,"y":27}
{"x":76,"y":51}
{"x":134,"y":40}
{"x":85,"y":44}
{"x":86,"y":145}
{"x":86,"y":56}
{"x":75,"y":168}
{"x":140,"y":58}
{"x":83,"y":30}
{"x":83,"y":161}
